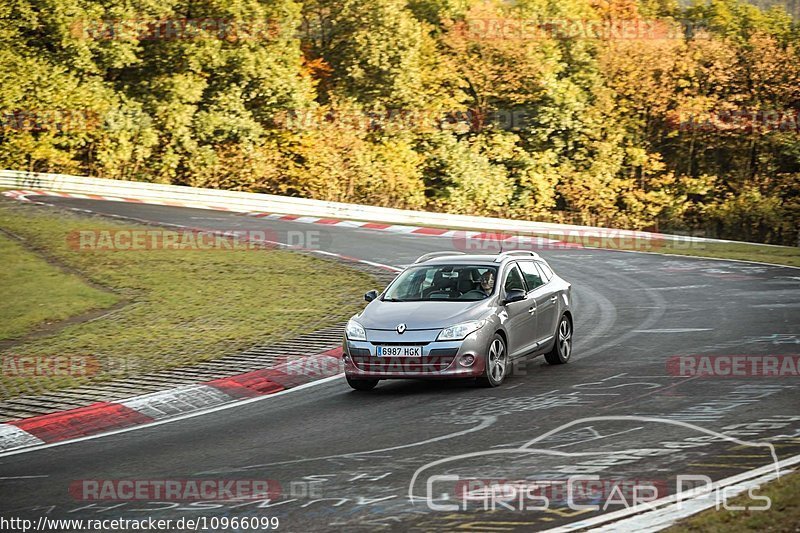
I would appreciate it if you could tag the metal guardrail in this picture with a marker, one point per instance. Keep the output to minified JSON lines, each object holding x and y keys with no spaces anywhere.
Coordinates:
{"x":250,"y":202}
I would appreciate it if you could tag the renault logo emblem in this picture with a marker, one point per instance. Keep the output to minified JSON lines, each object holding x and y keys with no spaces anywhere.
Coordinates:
{"x":400,"y":328}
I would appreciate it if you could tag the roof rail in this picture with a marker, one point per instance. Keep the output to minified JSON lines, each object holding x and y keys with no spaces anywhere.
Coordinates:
{"x":432,"y":255}
{"x":526,"y":253}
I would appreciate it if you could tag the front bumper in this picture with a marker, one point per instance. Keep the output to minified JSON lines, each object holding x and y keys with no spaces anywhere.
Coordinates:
{"x":440,"y":359}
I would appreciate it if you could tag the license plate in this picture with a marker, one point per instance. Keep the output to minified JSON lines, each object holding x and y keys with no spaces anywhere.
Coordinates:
{"x":399,"y":351}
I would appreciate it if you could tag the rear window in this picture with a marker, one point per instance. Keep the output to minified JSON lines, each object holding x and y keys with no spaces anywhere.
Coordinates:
{"x":546,"y":270}
{"x":532,"y":275}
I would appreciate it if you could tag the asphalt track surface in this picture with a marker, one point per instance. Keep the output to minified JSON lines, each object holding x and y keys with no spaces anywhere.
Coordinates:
{"x":346,"y":459}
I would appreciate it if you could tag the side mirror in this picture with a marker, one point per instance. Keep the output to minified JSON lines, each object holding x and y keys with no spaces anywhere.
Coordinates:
{"x":371,"y":295}
{"x":514,"y":295}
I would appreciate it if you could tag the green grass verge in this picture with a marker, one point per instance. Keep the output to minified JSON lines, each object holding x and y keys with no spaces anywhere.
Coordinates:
{"x":35,"y":292}
{"x":186,"y":306}
{"x":783,"y":515}
{"x":778,"y":255}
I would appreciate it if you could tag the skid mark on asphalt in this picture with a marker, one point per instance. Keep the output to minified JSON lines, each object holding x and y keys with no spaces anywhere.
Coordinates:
{"x":485,"y":411}
{"x":597,"y":436}
{"x":675,"y":288}
{"x":604,"y":386}
{"x":607,"y":312}
{"x":672,"y":330}
{"x":485,"y":423}
{"x":572,"y":438}
{"x":598,"y":306}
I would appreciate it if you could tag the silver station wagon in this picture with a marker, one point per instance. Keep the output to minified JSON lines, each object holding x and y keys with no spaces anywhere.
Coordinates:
{"x":451,"y":315}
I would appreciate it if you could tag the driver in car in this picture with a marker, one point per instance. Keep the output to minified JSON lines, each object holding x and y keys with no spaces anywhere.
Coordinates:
{"x":487,"y":282}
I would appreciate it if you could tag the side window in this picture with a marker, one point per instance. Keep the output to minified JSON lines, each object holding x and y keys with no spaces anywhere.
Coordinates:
{"x":548,"y":273}
{"x":514,"y":280}
{"x":532,"y":275}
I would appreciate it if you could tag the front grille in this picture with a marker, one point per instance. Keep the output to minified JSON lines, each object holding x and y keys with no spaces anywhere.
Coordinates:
{"x":444,"y":352}
{"x":376,"y":343}
{"x":401,"y":365}
{"x":356,"y":352}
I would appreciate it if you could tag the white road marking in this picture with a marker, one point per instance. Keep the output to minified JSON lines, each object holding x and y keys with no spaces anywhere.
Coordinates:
{"x":671,"y":330}
{"x":677,"y":506}
{"x":676,"y":288}
{"x":657,"y":520}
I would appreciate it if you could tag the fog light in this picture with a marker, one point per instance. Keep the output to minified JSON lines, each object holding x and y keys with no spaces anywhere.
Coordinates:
{"x":467,"y":360}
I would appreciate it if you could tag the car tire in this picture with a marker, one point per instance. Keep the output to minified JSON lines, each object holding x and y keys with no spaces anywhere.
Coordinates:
{"x":562,"y":344}
{"x":362,"y":384}
{"x":496,"y":367}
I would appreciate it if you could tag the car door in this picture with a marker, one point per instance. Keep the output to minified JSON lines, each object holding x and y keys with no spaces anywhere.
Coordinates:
{"x":545,"y":298}
{"x":521,"y":321}
{"x":550,"y":313}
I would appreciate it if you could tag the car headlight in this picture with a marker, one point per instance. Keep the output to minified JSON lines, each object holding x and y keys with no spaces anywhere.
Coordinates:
{"x":459,"y":331}
{"x":355,"y":331}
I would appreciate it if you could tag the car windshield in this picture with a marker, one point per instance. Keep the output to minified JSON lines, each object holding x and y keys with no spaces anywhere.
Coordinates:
{"x":443,"y":282}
